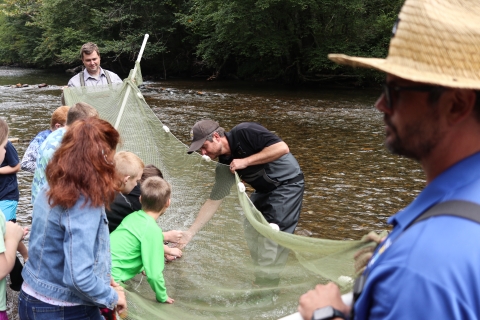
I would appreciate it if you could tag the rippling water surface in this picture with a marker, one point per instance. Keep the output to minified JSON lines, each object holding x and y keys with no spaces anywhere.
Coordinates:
{"x":352,"y":183}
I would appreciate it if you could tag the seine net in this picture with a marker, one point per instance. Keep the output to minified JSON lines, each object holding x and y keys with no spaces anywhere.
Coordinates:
{"x":225,"y":271}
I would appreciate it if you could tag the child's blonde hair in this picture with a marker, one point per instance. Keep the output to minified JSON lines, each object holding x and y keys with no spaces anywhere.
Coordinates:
{"x":59,"y":116}
{"x":155,"y":193}
{"x":3,"y":130}
{"x":128,"y":164}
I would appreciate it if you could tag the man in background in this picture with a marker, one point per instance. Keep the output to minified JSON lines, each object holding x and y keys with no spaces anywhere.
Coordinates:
{"x":93,"y":74}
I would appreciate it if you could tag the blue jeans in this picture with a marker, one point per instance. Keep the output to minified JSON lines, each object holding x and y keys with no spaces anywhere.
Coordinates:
{"x":30,"y":308}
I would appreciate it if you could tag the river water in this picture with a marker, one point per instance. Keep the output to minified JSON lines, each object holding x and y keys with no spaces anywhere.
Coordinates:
{"x":352,"y":183}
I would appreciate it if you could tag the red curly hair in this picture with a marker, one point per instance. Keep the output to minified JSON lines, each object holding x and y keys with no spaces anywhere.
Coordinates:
{"x":83,"y":165}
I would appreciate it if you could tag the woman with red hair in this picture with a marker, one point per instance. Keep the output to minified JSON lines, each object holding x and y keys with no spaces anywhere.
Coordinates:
{"x":67,"y":275}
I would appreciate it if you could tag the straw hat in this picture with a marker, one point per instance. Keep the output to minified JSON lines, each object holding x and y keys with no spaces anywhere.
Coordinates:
{"x":435,"y":41}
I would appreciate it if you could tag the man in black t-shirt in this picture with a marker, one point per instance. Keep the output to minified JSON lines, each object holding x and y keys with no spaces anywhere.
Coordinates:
{"x":262,"y":160}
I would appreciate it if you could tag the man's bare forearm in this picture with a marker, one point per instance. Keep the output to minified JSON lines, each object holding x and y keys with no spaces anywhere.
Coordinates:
{"x":206,"y":213}
{"x":268,"y":154}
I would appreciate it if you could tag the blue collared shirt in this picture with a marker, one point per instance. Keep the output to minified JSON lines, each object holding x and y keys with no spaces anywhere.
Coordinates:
{"x":92,"y":81}
{"x":431,"y":271}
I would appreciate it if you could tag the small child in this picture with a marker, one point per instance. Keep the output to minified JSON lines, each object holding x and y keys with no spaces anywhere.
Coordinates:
{"x":11,"y":235}
{"x":9,"y":196}
{"x":138,"y":242}
{"x":9,"y":193}
{"x":130,"y":169}
{"x":124,"y":204}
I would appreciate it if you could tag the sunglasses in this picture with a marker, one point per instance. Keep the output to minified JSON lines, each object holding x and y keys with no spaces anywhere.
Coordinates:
{"x":389,"y":90}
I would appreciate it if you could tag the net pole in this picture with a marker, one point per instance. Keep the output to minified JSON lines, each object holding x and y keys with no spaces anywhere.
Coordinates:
{"x":132,"y":78}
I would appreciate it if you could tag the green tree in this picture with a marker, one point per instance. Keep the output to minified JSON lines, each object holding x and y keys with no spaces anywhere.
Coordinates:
{"x":18,"y":36}
{"x":286,"y":38}
{"x":248,"y":39}
{"x":116,"y":26}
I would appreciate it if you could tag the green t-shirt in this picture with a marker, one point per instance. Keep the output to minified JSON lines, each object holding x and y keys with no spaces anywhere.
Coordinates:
{"x":137,"y":244}
{"x":3,"y":282}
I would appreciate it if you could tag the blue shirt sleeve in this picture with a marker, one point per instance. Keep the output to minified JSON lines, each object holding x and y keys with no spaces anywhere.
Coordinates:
{"x":11,"y":156}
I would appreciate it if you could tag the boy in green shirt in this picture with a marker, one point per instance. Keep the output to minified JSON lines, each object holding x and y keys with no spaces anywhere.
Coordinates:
{"x":137,"y":243}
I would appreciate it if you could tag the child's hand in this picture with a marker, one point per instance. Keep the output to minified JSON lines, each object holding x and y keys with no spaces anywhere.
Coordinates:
{"x":169,"y":300}
{"x":172,"y":236}
{"x":13,"y":231}
{"x":177,"y":253}
{"x":170,"y":258}
{"x":25,"y":232}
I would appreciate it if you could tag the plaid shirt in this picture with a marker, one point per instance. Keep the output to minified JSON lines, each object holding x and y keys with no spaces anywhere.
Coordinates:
{"x":29,"y":160}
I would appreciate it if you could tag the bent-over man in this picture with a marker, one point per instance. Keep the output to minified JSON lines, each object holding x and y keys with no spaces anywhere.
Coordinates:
{"x":264,"y":161}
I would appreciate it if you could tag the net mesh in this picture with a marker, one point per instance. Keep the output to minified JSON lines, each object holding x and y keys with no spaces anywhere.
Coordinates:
{"x":216,"y":277}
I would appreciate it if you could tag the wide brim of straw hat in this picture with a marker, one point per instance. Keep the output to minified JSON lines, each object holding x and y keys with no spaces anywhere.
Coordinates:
{"x":436,"y":42}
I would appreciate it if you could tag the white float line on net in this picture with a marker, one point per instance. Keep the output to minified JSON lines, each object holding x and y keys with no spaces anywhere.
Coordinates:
{"x":125,"y":98}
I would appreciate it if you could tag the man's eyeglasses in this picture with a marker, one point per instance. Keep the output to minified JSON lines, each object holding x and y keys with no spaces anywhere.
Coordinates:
{"x":389,"y":90}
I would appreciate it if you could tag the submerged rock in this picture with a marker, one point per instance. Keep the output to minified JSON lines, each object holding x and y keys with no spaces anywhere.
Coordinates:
{"x":303,"y":232}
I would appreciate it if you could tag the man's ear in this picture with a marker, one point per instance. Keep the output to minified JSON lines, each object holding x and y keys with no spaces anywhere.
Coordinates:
{"x":463,"y":104}
{"x":168,"y":203}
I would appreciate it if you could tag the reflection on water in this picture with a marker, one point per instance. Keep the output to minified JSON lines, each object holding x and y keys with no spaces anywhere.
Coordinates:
{"x":352,"y":183}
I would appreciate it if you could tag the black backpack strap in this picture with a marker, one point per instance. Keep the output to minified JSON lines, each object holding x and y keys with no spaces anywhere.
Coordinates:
{"x":109,"y":81}
{"x":458,"y":208}
{"x":82,"y":79}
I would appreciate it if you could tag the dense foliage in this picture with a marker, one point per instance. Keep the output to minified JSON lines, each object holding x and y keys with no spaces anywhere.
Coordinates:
{"x":248,"y":39}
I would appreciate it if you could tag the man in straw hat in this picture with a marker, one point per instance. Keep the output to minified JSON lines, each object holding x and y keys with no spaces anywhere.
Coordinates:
{"x":425,"y":269}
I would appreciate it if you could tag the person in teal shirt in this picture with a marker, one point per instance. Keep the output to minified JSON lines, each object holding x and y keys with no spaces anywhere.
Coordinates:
{"x":137,"y":243}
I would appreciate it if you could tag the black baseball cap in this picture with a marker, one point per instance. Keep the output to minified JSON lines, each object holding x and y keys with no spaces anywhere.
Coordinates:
{"x":199,"y":133}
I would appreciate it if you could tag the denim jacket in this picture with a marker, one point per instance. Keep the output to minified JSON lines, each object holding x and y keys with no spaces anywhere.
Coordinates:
{"x":69,"y":253}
